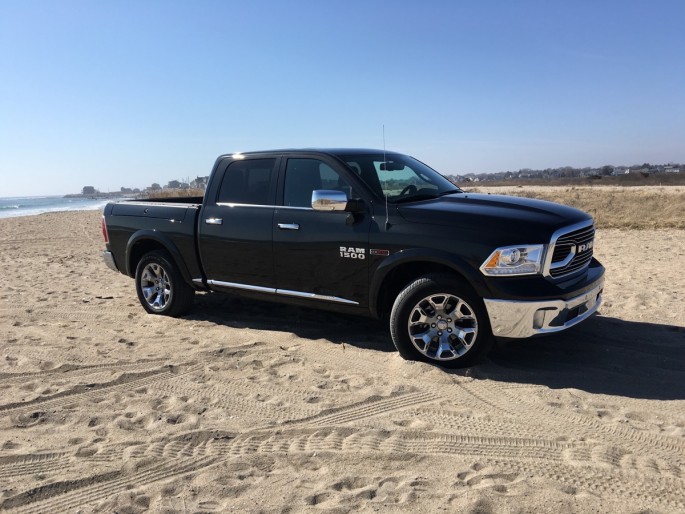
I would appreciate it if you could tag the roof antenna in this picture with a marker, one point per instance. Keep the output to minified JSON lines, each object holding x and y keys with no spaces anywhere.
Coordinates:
{"x":383,"y":142}
{"x":387,"y":216}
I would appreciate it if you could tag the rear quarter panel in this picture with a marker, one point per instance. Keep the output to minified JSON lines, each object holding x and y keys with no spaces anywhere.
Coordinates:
{"x":170,"y":225}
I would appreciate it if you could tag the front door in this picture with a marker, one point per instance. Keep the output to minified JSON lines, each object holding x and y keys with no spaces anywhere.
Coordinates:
{"x":319,"y":255}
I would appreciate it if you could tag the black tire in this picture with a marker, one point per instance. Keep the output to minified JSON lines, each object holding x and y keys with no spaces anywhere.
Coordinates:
{"x":160,"y":286}
{"x":438,"y":318}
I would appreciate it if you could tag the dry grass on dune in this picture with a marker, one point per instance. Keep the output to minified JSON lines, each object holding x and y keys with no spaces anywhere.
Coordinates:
{"x":613,"y":207}
{"x":176,"y":193}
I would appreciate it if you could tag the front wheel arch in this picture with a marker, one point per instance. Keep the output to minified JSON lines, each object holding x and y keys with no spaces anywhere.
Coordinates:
{"x":402,"y":268}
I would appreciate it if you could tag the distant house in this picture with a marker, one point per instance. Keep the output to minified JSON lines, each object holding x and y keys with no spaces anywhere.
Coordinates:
{"x":199,"y":182}
{"x":671,"y":169}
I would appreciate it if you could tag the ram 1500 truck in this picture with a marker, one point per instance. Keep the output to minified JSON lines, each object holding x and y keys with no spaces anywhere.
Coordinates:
{"x":368,"y":232}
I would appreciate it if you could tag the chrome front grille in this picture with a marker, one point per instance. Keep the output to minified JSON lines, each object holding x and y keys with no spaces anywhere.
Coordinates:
{"x":571,"y":250}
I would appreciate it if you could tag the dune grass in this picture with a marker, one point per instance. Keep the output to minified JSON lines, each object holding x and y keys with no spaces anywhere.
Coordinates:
{"x":176,"y":193}
{"x":613,"y":207}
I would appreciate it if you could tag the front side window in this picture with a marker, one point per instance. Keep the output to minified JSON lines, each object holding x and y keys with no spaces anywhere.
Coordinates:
{"x":303,"y":176}
{"x":399,"y":177}
{"x":247,"y":182}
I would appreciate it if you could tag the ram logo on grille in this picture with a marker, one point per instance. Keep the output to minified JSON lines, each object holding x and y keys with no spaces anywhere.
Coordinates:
{"x":571,"y":250}
{"x":585,"y":247}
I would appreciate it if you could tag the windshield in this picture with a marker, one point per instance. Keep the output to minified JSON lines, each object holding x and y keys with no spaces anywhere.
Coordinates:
{"x":399,"y":177}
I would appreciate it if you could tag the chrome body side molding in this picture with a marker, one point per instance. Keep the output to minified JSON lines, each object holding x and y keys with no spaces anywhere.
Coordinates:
{"x":279,"y":292}
{"x":299,"y":294}
{"x":246,"y":287}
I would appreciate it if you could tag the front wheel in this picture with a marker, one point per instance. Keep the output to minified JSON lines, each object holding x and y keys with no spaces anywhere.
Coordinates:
{"x":160,"y":286}
{"x":439,"y":319}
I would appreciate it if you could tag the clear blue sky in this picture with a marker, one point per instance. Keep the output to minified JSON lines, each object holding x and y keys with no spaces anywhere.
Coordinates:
{"x":118,"y":93}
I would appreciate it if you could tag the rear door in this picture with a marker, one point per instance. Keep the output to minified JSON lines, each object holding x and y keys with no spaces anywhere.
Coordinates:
{"x":236,"y":227}
{"x":319,"y":255}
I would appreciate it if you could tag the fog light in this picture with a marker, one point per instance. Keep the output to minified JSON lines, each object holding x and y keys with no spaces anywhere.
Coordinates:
{"x":539,"y":318}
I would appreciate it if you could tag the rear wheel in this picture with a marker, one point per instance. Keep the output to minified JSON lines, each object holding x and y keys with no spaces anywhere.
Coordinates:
{"x":438,"y":318}
{"x":160,"y":286}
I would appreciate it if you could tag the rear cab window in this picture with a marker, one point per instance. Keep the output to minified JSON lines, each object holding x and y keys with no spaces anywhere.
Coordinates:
{"x":248,"y":182}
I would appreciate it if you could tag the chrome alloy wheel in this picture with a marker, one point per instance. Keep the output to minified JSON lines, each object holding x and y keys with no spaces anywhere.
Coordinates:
{"x":442,"y":327}
{"x":156,"y":286}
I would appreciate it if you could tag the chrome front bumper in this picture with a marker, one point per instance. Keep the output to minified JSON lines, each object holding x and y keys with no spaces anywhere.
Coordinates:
{"x":517,"y":319}
{"x":109,"y":260}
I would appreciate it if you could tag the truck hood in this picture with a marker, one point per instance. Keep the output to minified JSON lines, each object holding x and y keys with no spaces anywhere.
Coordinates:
{"x":515,"y":218}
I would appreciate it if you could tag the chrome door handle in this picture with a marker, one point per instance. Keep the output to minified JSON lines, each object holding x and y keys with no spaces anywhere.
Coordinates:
{"x":288,"y":226}
{"x":214,"y":221}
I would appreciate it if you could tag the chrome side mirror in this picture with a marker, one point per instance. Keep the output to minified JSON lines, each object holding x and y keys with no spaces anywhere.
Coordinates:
{"x":328,"y":200}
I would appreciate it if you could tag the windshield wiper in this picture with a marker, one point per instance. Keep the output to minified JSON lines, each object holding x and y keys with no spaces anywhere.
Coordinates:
{"x":450,"y":192}
{"x":426,"y":196}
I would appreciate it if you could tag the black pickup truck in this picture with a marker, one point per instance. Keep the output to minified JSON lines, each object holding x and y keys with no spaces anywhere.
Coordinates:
{"x":367,"y":232}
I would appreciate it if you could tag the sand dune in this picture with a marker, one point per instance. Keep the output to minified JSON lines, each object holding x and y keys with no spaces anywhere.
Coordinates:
{"x":256,"y":407}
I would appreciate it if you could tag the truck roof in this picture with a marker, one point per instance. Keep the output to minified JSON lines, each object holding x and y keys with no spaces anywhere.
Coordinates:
{"x":330,"y":151}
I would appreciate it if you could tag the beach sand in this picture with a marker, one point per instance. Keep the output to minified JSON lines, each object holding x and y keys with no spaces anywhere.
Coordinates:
{"x":254,"y":407}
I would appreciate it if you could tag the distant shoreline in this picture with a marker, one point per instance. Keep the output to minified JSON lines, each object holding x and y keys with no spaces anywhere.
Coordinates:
{"x":12,"y":207}
{"x":98,"y":196}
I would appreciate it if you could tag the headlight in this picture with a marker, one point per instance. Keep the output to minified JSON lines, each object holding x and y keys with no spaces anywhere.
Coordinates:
{"x":514,"y":260}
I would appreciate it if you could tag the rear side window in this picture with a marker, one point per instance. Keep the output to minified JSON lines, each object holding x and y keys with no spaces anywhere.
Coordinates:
{"x":247,"y":182}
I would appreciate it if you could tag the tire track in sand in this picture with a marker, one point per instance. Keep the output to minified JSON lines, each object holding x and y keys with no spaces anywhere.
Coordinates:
{"x":371,"y":407}
{"x":92,"y":391}
{"x":583,"y":465}
{"x":73,"y":313}
{"x":65,"y":496}
{"x":68,"y":370}
{"x":576,"y":424}
{"x":17,"y":465}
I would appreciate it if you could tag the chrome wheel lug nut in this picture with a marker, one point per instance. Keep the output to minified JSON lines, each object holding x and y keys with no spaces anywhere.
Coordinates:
{"x":439,"y":333}
{"x":432,"y":325}
{"x":449,"y":330}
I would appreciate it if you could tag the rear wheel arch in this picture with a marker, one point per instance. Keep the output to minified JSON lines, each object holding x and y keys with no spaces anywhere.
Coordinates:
{"x":143,"y":243}
{"x":139,"y":249}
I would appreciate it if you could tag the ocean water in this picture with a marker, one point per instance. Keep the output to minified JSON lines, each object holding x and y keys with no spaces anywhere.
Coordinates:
{"x":32,"y":205}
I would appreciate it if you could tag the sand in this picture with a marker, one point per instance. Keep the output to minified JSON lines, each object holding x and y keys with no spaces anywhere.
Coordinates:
{"x":254,"y":407}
